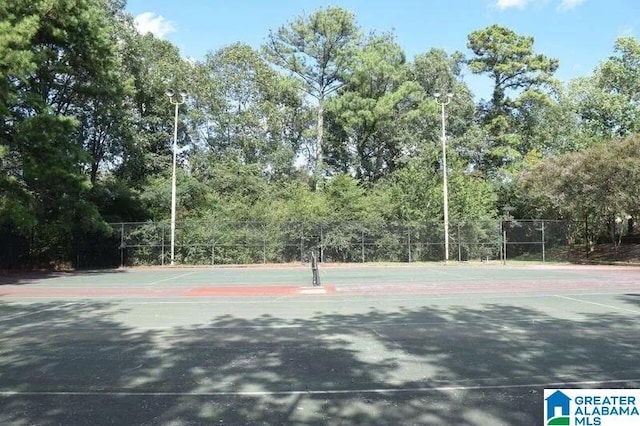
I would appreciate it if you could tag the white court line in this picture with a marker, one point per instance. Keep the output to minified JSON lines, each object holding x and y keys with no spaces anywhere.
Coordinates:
{"x":255,"y":300}
{"x":172,"y":278}
{"x":370,"y":297}
{"x":617,"y":308}
{"x":321,"y":392}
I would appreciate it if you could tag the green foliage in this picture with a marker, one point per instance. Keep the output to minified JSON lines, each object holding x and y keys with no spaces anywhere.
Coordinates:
{"x":549,"y":126}
{"x":323,"y":131}
{"x":294,"y":202}
{"x":595,"y":185}
{"x":373,"y":111}
{"x":246,"y":111}
{"x":60,"y":68}
{"x":609,"y":101}
{"x":317,"y":49}
{"x":415,"y":193}
{"x":117,"y":202}
{"x":509,"y":60}
{"x":345,"y":199}
{"x":153,"y":66}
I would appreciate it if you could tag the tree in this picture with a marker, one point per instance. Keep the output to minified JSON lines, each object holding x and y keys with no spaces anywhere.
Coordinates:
{"x":316,"y":49}
{"x":608,"y":102}
{"x":549,"y":125}
{"x":345,"y":199}
{"x":16,"y":32}
{"x":294,"y":202}
{"x":105,"y":116}
{"x":588,"y":186}
{"x":622,"y":71}
{"x":372,"y":111}
{"x":438,"y":72}
{"x":509,"y":60}
{"x":244,"y":110}
{"x":153,"y":66}
{"x":61,"y":56}
{"x":414,"y":193}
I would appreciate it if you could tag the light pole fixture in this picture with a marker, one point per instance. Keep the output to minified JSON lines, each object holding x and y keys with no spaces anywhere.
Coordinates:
{"x":443,"y":101}
{"x":177,"y":100}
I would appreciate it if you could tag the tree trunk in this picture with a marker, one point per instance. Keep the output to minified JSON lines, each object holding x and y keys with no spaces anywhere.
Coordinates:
{"x":586,"y":236}
{"x":94,"y":172}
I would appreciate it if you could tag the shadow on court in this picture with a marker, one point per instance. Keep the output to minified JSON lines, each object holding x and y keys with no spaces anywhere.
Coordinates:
{"x":632,"y":299}
{"x":76,"y":364}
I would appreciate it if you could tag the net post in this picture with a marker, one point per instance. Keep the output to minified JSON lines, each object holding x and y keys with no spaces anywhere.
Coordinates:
{"x":314,"y":266}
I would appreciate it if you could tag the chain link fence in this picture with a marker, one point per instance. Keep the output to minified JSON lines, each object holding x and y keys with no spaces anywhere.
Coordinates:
{"x":216,"y":243}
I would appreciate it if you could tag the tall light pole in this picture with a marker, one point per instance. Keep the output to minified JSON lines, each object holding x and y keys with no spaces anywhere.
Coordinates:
{"x":175,"y":100}
{"x":443,"y":101}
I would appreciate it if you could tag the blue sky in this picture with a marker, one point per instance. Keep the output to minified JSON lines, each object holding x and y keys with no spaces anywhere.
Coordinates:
{"x":580,"y":33}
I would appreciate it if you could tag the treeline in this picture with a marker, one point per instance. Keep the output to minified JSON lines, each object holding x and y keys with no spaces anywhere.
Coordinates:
{"x":327,"y":121}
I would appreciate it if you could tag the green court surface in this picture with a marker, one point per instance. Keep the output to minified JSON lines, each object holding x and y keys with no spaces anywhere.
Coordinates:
{"x":379,"y":344}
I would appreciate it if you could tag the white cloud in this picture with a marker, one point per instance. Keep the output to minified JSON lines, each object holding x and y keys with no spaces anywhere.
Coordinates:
{"x":506,"y":4}
{"x":149,"y":22}
{"x":626,"y":31}
{"x":521,"y":4}
{"x":569,"y":4}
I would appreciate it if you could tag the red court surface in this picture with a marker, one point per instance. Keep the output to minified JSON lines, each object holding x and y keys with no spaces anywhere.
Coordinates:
{"x":163,"y":292}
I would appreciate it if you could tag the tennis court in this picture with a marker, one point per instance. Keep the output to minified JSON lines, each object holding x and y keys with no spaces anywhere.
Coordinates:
{"x":376,"y":344}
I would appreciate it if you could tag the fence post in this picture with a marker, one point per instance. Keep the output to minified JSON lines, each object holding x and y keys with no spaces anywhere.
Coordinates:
{"x":122,"y":245}
{"x":321,"y":246}
{"x":162,"y":245}
{"x":302,"y":243}
{"x":409,"y":241}
{"x":543,"y":248}
{"x":499,"y":223}
{"x":504,"y":242}
{"x":264,"y":244}
{"x":459,"y":245}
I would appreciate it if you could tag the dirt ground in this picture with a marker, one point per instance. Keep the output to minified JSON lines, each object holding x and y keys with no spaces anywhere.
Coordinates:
{"x":607,"y":253}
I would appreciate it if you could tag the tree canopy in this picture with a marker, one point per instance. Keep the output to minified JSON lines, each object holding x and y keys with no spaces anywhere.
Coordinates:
{"x":327,"y":121}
